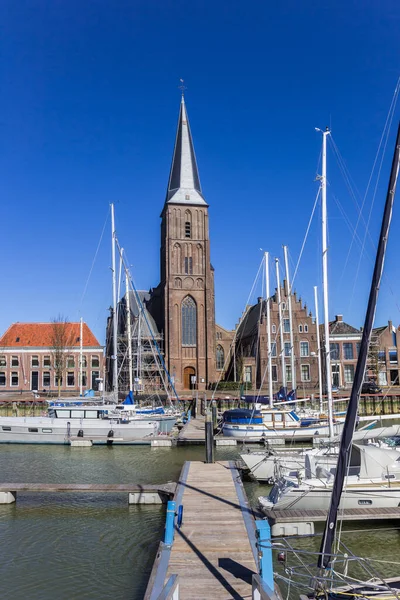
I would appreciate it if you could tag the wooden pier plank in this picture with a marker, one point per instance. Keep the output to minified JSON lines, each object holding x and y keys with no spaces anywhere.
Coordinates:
{"x":211,"y":552}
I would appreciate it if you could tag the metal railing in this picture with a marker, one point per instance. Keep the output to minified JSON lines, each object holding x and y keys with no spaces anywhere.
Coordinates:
{"x":171,"y":589}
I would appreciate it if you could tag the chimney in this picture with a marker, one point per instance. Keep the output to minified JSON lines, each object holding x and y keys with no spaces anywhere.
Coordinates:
{"x":259,"y":299}
{"x":339,"y":318}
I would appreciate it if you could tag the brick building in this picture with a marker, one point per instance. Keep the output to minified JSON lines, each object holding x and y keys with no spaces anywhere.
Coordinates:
{"x":27,"y":358}
{"x":344,"y":346}
{"x":252,"y":349}
{"x":383,"y":358}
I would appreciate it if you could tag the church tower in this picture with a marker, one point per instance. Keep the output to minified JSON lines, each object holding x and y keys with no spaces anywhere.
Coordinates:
{"x":187,"y":278}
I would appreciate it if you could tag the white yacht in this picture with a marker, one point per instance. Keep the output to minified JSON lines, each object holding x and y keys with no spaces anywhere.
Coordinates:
{"x":86,"y":421}
{"x":373,"y":480}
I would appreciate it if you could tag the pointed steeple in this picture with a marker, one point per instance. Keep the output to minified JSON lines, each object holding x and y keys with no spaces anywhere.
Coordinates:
{"x":184,"y":182}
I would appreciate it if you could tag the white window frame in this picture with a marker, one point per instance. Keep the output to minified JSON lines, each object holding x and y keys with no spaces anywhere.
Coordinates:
{"x":345,"y":367}
{"x":308,"y":348}
{"x":91,"y":361}
{"x":300,"y":328}
{"x":5,"y":379}
{"x":273,"y":328}
{"x":70,"y":384}
{"x":286,"y":322}
{"x":288,"y":373}
{"x":11,"y":376}
{"x":37,"y":366}
{"x":285,"y":346}
{"x":56,"y":380}
{"x":44,"y":365}
{"x":305,"y":328}
{"x":309,"y":372}
{"x":4,"y":357}
{"x":274,"y":369}
{"x":12,"y":359}
{"x":43,"y":383}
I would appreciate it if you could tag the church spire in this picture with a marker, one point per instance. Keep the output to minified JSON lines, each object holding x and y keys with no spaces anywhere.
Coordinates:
{"x":184,"y":182}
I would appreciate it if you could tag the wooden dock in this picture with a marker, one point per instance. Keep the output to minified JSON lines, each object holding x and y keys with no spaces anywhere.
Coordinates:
{"x":214,"y":551}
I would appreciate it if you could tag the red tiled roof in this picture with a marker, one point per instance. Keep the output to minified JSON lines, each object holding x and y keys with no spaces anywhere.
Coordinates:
{"x":40,"y":335}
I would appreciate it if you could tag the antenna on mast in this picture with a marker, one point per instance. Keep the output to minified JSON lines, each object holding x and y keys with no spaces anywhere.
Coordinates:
{"x":182,"y":87}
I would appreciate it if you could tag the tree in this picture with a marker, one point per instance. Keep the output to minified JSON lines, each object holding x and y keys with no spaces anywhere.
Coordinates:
{"x":60,"y":341}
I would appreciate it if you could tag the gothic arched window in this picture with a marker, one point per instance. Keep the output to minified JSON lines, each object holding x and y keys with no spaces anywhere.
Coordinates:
{"x":220,"y":356}
{"x":189,"y":322}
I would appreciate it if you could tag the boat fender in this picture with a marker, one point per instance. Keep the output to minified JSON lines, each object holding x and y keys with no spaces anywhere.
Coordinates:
{"x":80,"y":433}
{"x":110,"y":434}
{"x":180,"y":516}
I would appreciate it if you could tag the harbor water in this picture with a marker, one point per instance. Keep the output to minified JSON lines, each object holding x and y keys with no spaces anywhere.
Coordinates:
{"x":95,"y":546}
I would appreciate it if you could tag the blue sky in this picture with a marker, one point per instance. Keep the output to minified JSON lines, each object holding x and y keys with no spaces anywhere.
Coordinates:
{"x":89,"y":106}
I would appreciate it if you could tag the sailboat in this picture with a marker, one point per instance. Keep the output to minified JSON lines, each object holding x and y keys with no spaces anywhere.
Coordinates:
{"x":329,"y":583}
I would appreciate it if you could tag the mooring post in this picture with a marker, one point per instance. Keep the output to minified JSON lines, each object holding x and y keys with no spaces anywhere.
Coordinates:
{"x":209,"y":439}
{"x":214,"y":415}
{"x":169,"y":523}
{"x":265,"y":552}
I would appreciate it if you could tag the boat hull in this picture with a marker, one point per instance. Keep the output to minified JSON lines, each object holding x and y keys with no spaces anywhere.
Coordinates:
{"x":257,"y":432}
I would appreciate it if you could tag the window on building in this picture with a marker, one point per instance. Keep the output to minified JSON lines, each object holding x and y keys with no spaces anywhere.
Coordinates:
{"x":300,"y":328}
{"x":220,"y":356}
{"x":358,"y":346}
{"x":306,"y":328}
{"x":287,"y":349}
{"x":47,"y":361}
{"x":247,"y":374}
{"x":304,"y":349}
{"x":3,"y":361}
{"x":348,"y":351}
{"x":70,"y":378}
{"x":283,"y":306}
{"x":305,"y":372}
{"x":273,"y":349}
{"x":84,"y":361}
{"x":336,"y":375}
{"x":393,"y":357}
{"x":2,"y":378}
{"x":46,"y":378}
{"x":56,"y":380}
{"x":95,"y":361}
{"x":335,"y":351}
{"x":288,"y":369}
{"x":286,"y":326}
{"x":14,"y":361}
{"x":382,"y":356}
{"x":14,"y":378}
{"x":35,"y":360}
{"x":71,"y":362}
{"x":95,"y":384}
{"x":189,"y":322}
{"x":84,"y":378}
{"x":188,"y":265}
{"x":348,"y":373}
{"x":274,"y":373}
{"x":273,"y":328}
{"x":188,"y":229}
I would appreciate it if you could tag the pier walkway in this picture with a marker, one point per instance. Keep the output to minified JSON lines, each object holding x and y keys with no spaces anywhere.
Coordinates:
{"x":214,"y":550}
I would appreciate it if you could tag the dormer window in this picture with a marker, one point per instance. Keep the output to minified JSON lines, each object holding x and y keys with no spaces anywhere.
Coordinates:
{"x":188,"y":229}
{"x":17,"y":339}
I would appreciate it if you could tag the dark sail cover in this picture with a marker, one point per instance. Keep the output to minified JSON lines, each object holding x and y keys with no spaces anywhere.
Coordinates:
{"x":351,"y":415}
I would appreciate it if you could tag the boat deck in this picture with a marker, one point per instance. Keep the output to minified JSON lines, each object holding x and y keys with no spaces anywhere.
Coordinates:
{"x":350,"y":514}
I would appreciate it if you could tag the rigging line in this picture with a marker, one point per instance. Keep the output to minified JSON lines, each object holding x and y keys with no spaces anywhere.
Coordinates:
{"x":94,"y":259}
{"x":305,"y":237}
{"x":391,"y":108}
{"x":235,"y":337}
{"x":370,"y":211}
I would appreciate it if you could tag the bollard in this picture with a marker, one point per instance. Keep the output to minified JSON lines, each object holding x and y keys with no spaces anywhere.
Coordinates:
{"x":209,"y":439}
{"x":263,"y":533}
{"x":214,"y":415}
{"x":169,"y":523}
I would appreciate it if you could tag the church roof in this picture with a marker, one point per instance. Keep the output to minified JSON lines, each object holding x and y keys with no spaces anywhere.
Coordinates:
{"x":184,"y":181}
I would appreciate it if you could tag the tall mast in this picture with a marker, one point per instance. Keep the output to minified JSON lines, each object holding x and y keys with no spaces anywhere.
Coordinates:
{"x":81,"y":358}
{"x":114,"y":291}
{"x":325,"y":555}
{"x":289,"y":298}
{"x":128,"y":323}
{"x":318,"y":348}
{"x":278,"y":284}
{"x":325,"y":285}
{"x":270,"y":391}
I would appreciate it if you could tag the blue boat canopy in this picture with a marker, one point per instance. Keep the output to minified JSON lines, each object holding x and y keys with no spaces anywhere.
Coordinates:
{"x":242,"y":416}
{"x":129,"y":399}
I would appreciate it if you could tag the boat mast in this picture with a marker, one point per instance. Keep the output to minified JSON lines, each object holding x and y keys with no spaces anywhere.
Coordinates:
{"x":325,"y":555}
{"x":325,"y":285}
{"x":114,"y":356}
{"x":318,"y":348}
{"x":270,"y":391}
{"x":278,"y":283}
{"x":128,"y":323}
{"x":81,"y":358}
{"x":289,"y":299}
